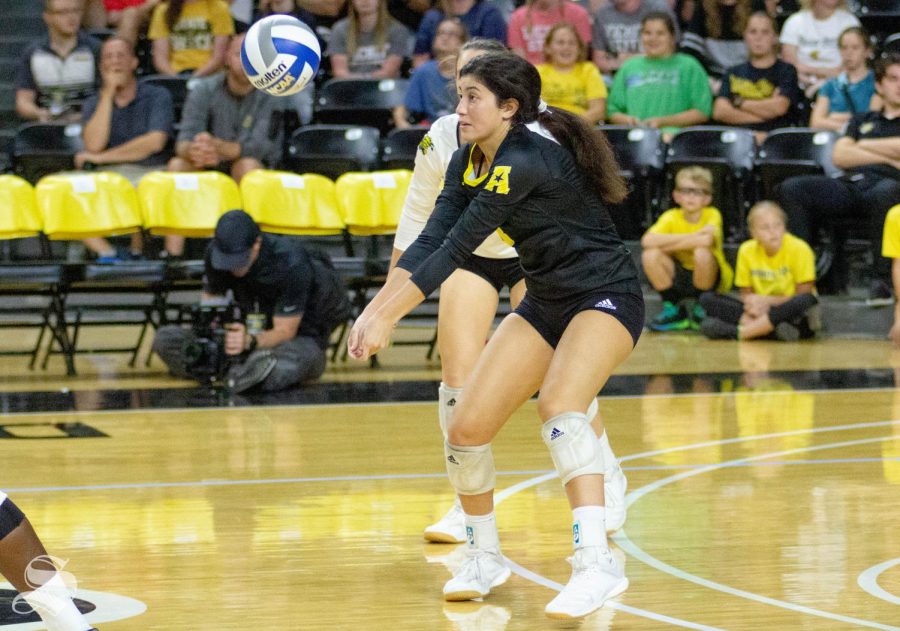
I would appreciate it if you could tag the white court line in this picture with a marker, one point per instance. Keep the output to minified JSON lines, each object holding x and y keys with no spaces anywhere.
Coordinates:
{"x":868,"y":580}
{"x":521,"y":486}
{"x":630,"y":547}
{"x":534,"y":577}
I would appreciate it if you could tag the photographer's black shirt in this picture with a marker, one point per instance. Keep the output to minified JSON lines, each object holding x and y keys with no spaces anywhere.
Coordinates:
{"x":285,"y":281}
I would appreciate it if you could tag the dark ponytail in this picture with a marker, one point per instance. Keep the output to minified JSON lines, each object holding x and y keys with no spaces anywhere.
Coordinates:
{"x":509,"y":76}
{"x":591,"y":149}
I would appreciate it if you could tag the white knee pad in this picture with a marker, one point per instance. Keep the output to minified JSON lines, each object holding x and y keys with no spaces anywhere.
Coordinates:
{"x":471,"y":469}
{"x":573,"y":446}
{"x":448,"y":399}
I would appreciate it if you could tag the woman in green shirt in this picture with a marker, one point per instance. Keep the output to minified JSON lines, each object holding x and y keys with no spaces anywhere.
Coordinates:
{"x":662,"y":88}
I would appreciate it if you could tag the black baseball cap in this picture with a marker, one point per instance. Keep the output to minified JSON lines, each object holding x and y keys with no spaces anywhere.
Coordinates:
{"x":233,"y":242}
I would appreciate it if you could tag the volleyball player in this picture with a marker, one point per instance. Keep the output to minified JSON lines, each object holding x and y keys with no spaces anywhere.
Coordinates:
{"x":469,"y":300}
{"x":26,"y":565}
{"x":580,"y":318}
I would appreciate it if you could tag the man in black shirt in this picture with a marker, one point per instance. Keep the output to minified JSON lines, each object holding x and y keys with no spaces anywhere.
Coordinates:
{"x":292,"y":299}
{"x":869,"y":153}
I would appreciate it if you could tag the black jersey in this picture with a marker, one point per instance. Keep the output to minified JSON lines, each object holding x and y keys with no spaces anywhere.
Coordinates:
{"x":536,"y":195}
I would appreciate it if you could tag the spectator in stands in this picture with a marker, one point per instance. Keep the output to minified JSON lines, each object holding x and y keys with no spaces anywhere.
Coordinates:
{"x":761,"y":94}
{"x":778,"y":10}
{"x":529,"y":25}
{"x":324,"y":12}
{"x":662,"y":88}
{"x":230,"y":126}
{"x":716,"y":32}
{"x":480,"y":18}
{"x":776,"y":275}
{"x":275,"y":281}
{"x":617,"y":31}
{"x":129,"y":17}
{"x":852,"y":91}
{"x":869,"y":152}
{"x":809,"y":41}
{"x":126,"y":127}
{"x":431,"y":94}
{"x":568,"y":80}
{"x":890,"y":248}
{"x":368,"y":43}
{"x":682,"y":252}
{"x":190,"y":36}
{"x":58,"y":72}
{"x":290,"y":7}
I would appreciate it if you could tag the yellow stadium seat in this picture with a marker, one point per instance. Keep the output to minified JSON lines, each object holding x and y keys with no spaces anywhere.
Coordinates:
{"x":370,"y":202}
{"x":97,"y":204}
{"x":186,"y":204}
{"x":289,"y":203}
{"x":18,"y":212}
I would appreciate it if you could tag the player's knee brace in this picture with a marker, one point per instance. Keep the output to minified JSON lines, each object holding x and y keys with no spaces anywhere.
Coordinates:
{"x":448,"y":399}
{"x":10,"y":516}
{"x":471,"y":469}
{"x":573,"y":446}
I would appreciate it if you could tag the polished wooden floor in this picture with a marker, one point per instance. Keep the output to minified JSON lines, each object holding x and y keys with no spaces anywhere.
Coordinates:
{"x":755,"y":502}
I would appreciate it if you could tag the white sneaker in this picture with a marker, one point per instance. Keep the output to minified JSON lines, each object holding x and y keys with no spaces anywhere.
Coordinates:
{"x":451,"y":528}
{"x":615,"y":485}
{"x":596,"y":577}
{"x":481,"y":571}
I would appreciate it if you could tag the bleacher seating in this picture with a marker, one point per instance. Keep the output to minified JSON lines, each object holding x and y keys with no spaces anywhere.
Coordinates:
{"x":400,"y":147}
{"x":641,"y":155}
{"x":368,"y":102}
{"x":331,"y":150}
{"x":41,"y":149}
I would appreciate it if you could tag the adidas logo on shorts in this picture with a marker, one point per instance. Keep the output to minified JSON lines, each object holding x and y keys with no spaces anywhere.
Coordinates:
{"x":556,"y":433}
{"x":606,"y":303}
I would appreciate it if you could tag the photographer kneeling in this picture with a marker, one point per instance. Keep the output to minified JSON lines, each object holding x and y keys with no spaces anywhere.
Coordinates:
{"x":275,"y":280}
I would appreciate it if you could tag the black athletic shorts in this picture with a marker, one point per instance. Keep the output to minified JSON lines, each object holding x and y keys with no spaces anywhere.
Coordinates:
{"x":550,"y":318}
{"x":498,"y":272}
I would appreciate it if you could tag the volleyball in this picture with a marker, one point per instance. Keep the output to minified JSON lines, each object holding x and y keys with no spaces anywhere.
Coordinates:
{"x":280,"y":55}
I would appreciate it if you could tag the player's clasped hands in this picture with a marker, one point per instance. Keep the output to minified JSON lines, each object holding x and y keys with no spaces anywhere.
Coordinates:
{"x":368,"y":336}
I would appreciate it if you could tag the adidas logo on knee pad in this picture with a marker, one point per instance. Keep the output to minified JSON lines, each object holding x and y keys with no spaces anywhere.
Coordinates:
{"x":556,"y":433}
{"x":452,"y":460}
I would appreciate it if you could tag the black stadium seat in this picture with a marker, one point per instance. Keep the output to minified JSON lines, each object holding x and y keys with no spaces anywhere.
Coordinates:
{"x":360,"y":102}
{"x":43,"y":148}
{"x":641,"y":155}
{"x":331,"y":150}
{"x":400,"y":147}
{"x":793,"y":151}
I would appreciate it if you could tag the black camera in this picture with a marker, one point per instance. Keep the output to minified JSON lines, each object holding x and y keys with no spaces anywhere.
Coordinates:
{"x":205,"y":356}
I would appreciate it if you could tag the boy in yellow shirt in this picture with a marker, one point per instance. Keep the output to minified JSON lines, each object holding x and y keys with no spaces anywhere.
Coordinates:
{"x":682,"y":252}
{"x":776,"y":273}
{"x":890,"y":248}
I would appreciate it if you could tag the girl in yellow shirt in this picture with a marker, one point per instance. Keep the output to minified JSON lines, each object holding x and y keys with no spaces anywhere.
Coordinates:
{"x":568,"y":81}
{"x":776,"y":273}
{"x":190,"y":35}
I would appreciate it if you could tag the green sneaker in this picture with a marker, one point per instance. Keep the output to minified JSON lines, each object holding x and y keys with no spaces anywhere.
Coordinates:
{"x":696,"y":314}
{"x":670,"y":318}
